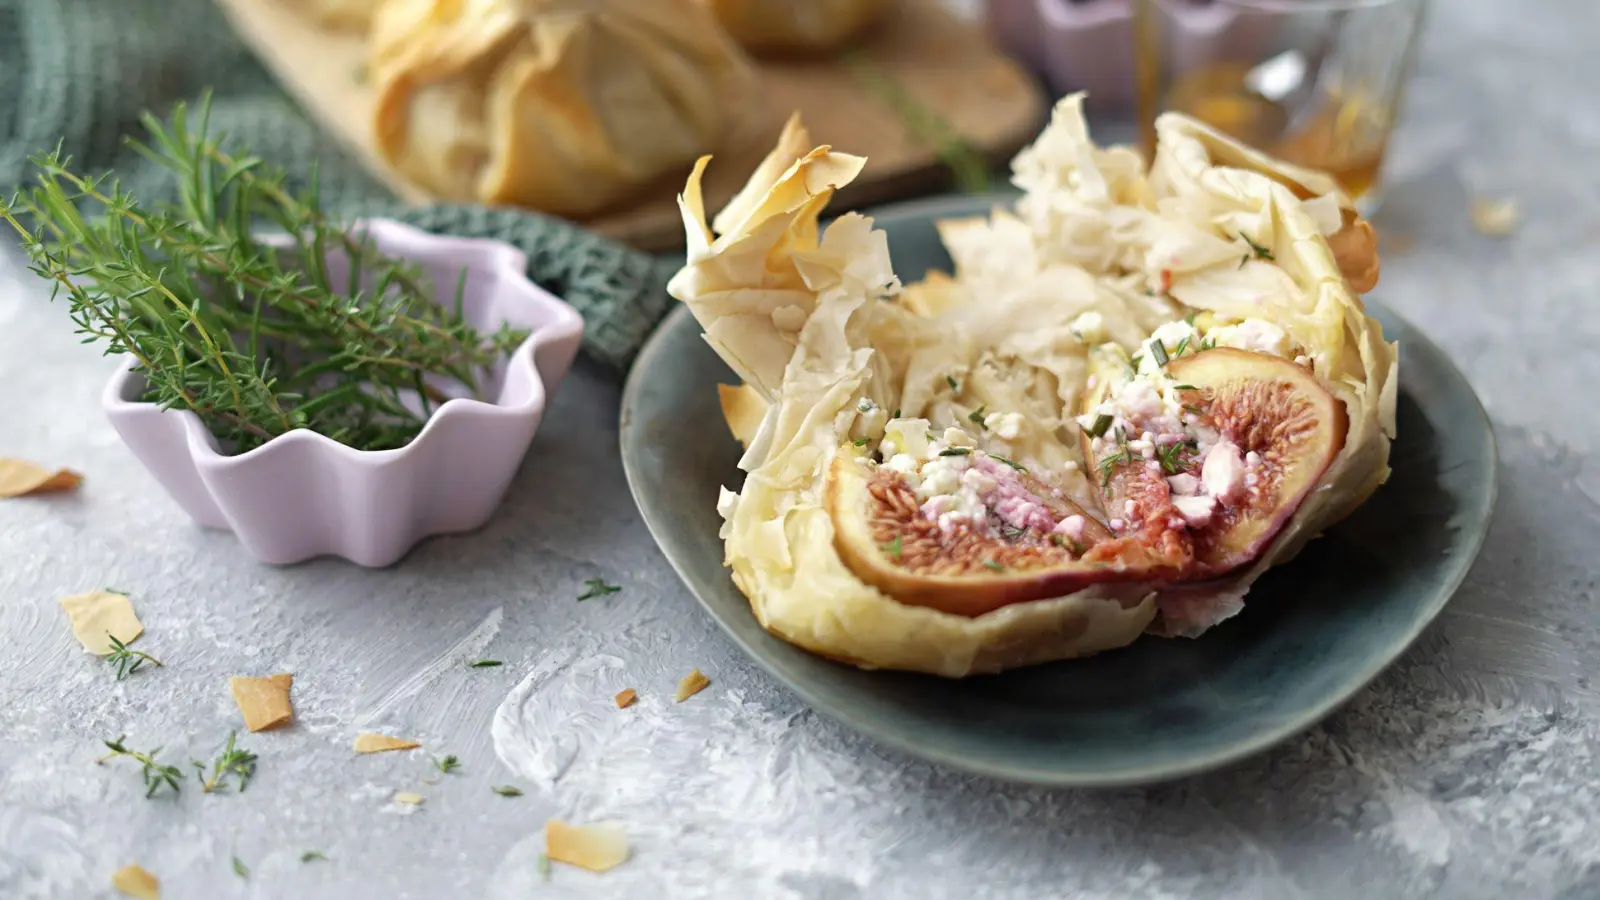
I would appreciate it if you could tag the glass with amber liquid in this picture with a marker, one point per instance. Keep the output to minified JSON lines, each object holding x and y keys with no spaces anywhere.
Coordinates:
{"x":1315,"y":82}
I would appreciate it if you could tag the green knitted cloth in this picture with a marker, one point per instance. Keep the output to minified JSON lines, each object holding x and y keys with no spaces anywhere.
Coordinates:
{"x":81,"y":72}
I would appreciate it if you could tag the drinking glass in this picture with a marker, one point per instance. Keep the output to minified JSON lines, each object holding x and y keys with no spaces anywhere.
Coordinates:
{"x":1315,"y":82}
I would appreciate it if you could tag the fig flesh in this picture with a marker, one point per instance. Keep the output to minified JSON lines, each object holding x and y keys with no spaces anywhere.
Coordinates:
{"x":1258,"y":433}
{"x":1029,"y":542}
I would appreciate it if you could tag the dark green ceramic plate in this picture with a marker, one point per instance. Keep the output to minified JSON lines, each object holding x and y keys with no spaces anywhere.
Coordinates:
{"x":1313,"y":632}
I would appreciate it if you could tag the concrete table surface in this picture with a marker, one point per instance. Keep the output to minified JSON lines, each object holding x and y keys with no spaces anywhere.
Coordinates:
{"x":1466,"y":771}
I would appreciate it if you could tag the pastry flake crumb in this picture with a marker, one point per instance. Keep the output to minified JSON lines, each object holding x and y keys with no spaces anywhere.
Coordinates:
{"x":626,"y":698}
{"x":379,"y":743}
{"x":1495,"y":218}
{"x":409,"y":798}
{"x":134,"y":881}
{"x":597,"y":847}
{"x":692,"y":683}
{"x":264,"y":702}
{"x":19,"y":478}
{"x":98,"y":616}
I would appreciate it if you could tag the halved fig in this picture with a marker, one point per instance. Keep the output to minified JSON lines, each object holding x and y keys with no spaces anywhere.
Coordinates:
{"x":979,"y":564}
{"x":1278,"y":431}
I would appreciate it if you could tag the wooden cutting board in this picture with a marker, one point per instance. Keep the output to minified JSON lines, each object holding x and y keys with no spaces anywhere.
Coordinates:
{"x":948,"y":66}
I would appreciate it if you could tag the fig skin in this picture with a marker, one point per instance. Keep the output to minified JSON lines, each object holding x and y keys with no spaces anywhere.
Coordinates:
{"x":1274,"y":408}
{"x":850,"y":504}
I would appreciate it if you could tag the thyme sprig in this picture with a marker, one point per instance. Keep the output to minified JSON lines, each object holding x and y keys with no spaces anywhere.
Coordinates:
{"x":126,"y":659}
{"x":257,"y":340}
{"x":156,"y":775}
{"x":232,"y":761}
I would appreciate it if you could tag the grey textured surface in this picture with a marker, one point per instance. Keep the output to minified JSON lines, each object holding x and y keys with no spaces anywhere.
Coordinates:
{"x":1466,"y":771}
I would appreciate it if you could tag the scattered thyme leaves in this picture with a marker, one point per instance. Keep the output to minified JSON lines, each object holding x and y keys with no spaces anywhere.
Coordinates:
{"x":1012,"y":463}
{"x":950,"y":380}
{"x":1208,"y":344}
{"x":1158,"y":352}
{"x":1189,"y":319}
{"x":313,"y":856}
{"x":1011,"y":532}
{"x":893,"y":548}
{"x":240,"y":869}
{"x":485,"y":664}
{"x":1184,"y":387}
{"x":1182,"y":346}
{"x":1101,"y":423}
{"x":1260,"y":251}
{"x":991,"y":564}
{"x":126,"y":659}
{"x":976,"y":417}
{"x":896,"y":413}
{"x":1171,"y":456}
{"x":448,"y":764}
{"x":155,"y":774}
{"x":232,"y":761}
{"x":1109,"y":465}
{"x":598,"y":588}
{"x":506,"y":790}
{"x":544,"y":867}
{"x":956,"y":451}
{"x":861,"y":442}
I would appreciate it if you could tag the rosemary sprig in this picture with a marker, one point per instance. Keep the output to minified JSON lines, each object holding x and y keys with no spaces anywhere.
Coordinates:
{"x":155,"y":774}
{"x":966,"y":164}
{"x":126,"y":659}
{"x":256,"y":340}
{"x":1108,"y":466}
{"x":1012,"y":463}
{"x":1171,"y":456}
{"x":598,"y":588}
{"x":234,"y":761}
{"x":484,"y":664}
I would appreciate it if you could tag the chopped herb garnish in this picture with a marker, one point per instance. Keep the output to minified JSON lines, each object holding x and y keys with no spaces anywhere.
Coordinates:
{"x":544,"y":867}
{"x":1011,"y":532}
{"x":861,"y":442}
{"x":234,"y":761}
{"x":239,"y":868}
{"x":484,"y":664}
{"x":1182,"y":346}
{"x":1101,"y":423}
{"x":1008,"y":462}
{"x":1208,"y":344}
{"x":1134,"y":361}
{"x":1058,"y":540}
{"x":506,"y":790}
{"x":955,"y":451}
{"x":127,"y":661}
{"x":313,"y":856}
{"x":155,"y":774}
{"x":1244,"y":259}
{"x":1170,"y":462}
{"x":976,"y":417}
{"x":896,"y":413}
{"x":1260,"y":251}
{"x":991,"y":564}
{"x":1189,"y":319}
{"x":1109,"y":465}
{"x":598,"y":588}
{"x":448,"y":764}
{"x":1184,"y":387}
{"x":1158,"y":352}
{"x":892,"y":548}
{"x":950,"y":380}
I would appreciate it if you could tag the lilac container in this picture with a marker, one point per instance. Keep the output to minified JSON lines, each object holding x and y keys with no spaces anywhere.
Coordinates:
{"x":302,"y":495}
{"x":1088,"y":45}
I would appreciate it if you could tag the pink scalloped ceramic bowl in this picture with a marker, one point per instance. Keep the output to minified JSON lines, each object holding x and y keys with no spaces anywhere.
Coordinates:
{"x":302,"y":495}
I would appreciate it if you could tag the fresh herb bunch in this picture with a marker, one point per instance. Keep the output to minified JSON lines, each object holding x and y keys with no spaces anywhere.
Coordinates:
{"x":257,"y":340}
